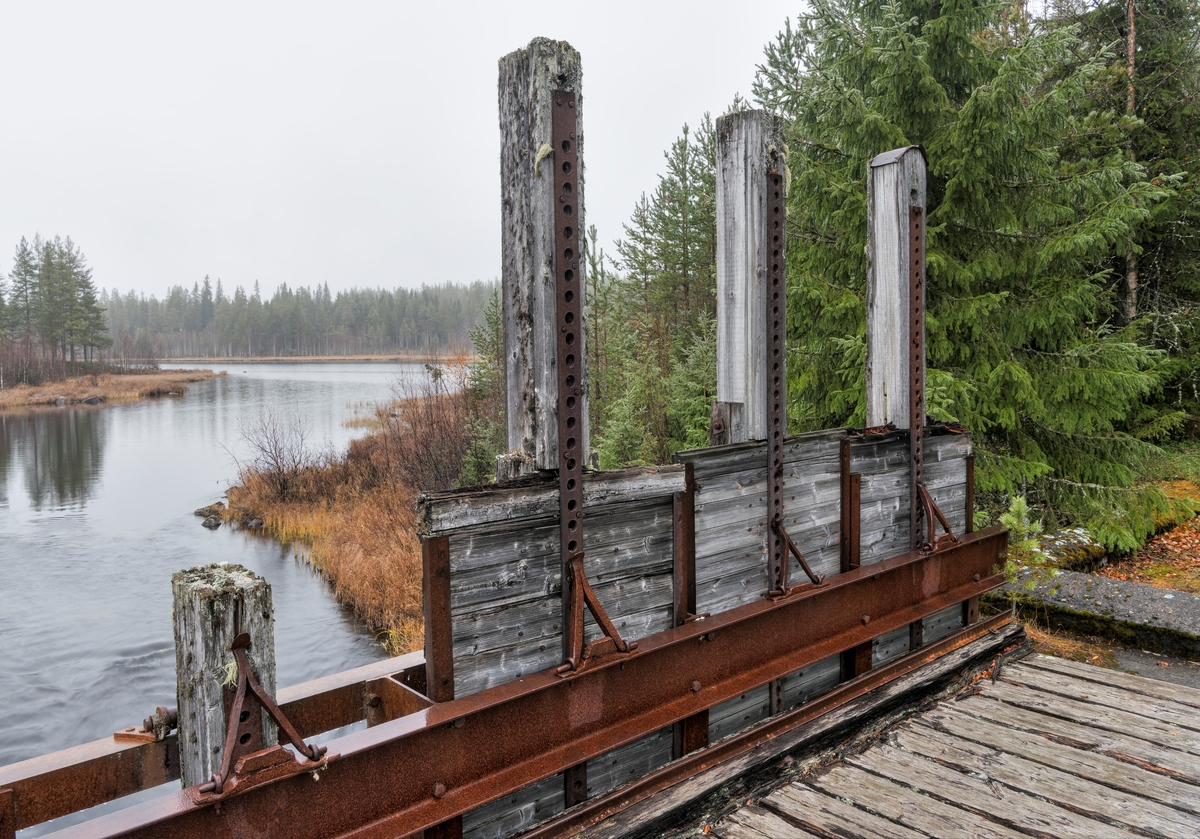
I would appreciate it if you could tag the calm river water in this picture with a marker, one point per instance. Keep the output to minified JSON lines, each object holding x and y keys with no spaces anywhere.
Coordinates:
{"x":96,"y":513}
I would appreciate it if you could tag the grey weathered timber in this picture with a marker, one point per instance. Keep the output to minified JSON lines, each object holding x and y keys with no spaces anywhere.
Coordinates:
{"x":1100,"y":768}
{"x":528,"y":78}
{"x":442,"y":513}
{"x":731,"y":489}
{"x":819,"y":812}
{"x":749,"y":145}
{"x":212,"y":606}
{"x":629,"y":762}
{"x":517,"y":812}
{"x":895,"y":181}
{"x":1008,"y":806}
{"x":1138,"y":684}
{"x":1064,"y":788}
{"x":908,"y":807}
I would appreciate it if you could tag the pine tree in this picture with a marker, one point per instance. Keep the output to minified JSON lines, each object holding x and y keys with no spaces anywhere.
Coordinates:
{"x":1022,"y":225}
{"x":23,"y":293}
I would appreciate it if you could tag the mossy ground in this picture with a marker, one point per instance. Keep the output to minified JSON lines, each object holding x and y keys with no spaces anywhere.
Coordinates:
{"x":1171,"y":559}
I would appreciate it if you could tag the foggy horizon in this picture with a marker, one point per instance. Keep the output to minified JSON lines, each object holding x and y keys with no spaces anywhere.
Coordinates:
{"x":359,"y":148}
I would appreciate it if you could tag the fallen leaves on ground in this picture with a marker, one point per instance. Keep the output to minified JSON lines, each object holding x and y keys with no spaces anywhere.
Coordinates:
{"x":1170,"y":560}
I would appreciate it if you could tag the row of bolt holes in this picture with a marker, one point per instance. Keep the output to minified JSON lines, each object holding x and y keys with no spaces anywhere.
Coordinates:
{"x":569,"y":318}
{"x":775,"y":339}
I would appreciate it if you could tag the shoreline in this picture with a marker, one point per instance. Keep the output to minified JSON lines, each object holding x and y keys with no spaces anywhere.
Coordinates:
{"x":425,"y":358}
{"x":102,"y":389}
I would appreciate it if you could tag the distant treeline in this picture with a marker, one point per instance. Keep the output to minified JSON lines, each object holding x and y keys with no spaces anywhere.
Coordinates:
{"x":207,"y":322}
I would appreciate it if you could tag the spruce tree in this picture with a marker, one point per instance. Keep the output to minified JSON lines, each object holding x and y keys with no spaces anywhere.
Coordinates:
{"x":1022,"y":225}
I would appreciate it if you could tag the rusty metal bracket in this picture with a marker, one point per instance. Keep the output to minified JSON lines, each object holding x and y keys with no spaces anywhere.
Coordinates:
{"x":580,"y":657}
{"x":920,"y":501}
{"x":932,"y":511}
{"x":154,"y":728}
{"x":784,"y":590}
{"x":244,"y":761}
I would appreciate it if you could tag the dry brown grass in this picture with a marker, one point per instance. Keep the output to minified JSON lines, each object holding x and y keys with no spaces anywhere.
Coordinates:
{"x":1081,"y":648}
{"x":109,"y":387}
{"x":360,"y":534}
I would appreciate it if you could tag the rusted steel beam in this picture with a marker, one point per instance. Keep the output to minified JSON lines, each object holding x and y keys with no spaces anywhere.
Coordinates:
{"x":568,"y":300}
{"x":424,"y":769}
{"x":684,"y":549}
{"x":970,"y":526}
{"x":439,"y":633}
{"x":775,"y":381}
{"x":851,"y":516}
{"x":75,"y":779}
{"x":598,"y":809}
{"x":8,"y":815}
{"x":690,"y":735}
{"x":916,"y":368}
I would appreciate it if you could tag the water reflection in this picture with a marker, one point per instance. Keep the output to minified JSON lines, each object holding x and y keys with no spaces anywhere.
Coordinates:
{"x":62,"y":456}
{"x":97,"y":514}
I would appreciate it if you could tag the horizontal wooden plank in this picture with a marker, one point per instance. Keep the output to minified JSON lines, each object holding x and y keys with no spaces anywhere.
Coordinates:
{"x":629,"y":762}
{"x":1055,"y":754}
{"x":517,"y":812}
{"x":1181,"y":694}
{"x":909,"y":807}
{"x":1115,"y":744}
{"x":759,"y":823}
{"x":1063,"y":788}
{"x":994,"y":801}
{"x":737,"y":714}
{"x":1096,"y":716}
{"x":828,"y":815}
{"x":813,"y":681}
{"x":443,"y":513}
{"x":1150,"y":707}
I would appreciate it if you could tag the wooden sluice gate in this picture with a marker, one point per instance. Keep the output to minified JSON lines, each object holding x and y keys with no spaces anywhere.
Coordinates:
{"x":596,"y":637}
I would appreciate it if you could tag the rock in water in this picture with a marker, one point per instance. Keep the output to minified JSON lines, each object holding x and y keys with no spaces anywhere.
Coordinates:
{"x":211,"y":510}
{"x":212,"y":522}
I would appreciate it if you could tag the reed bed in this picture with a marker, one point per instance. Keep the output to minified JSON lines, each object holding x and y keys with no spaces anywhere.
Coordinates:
{"x":107,"y":387}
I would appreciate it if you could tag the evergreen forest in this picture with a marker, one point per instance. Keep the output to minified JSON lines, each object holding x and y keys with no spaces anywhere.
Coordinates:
{"x":207,"y":322}
{"x":1063,"y":245}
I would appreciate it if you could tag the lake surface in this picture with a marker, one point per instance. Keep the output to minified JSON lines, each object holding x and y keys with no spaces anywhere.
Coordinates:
{"x":96,"y":513}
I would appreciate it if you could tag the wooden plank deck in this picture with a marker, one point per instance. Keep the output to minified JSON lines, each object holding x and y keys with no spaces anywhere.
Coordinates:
{"x":1053,"y":749}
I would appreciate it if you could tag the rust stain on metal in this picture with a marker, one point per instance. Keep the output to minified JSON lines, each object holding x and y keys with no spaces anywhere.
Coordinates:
{"x":485,"y":745}
{"x":439,"y":634}
{"x":776,"y":381}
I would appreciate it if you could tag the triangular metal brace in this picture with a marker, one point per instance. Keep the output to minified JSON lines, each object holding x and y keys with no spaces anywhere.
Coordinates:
{"x":581,"y":593}
{"x":933,"y":541}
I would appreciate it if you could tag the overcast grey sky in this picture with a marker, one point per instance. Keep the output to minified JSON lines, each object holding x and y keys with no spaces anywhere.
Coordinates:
{"x":353,"y":143}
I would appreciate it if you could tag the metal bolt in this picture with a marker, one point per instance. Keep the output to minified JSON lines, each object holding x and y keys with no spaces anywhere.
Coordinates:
{"x":976,"y":578}
{"x":695,"y":687}
{"x":439,"y":790}
{"x":866,"y":619}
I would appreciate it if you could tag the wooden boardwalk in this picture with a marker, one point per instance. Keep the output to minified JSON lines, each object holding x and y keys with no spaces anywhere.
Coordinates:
{"x":1052,"y":749}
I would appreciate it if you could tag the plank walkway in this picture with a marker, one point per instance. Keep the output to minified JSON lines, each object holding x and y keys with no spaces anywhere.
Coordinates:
{"x":1052,"y":749}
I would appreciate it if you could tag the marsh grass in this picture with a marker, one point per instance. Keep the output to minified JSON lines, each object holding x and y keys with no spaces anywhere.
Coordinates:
{"x":110,"y":387}
{"x":354,"y":513}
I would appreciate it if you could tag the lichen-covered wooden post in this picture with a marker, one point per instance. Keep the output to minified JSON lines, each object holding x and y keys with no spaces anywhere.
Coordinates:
{"x":528,"y":78}
{"x":212,"y":605}
{"x":749,"y":144}
{"x":895,"y":182}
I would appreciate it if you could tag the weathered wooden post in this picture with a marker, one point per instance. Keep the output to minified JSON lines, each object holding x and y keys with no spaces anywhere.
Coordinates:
{"x":529,"y":199}
{"x":895,"y":371}
{"x":895,"y":184}
{"x":213,"y":605}
{"x":749,"y":145}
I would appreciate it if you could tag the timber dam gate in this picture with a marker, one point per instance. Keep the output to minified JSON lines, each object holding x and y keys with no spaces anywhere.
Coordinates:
{"x":594,"y":638}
